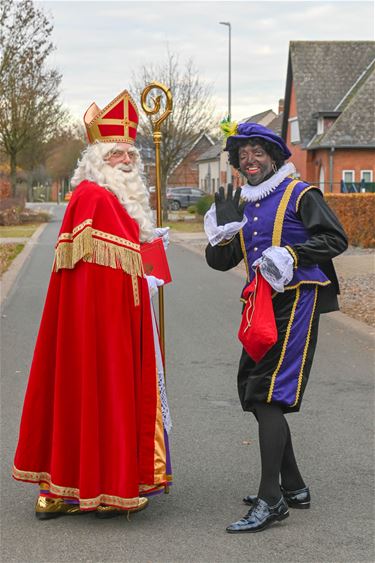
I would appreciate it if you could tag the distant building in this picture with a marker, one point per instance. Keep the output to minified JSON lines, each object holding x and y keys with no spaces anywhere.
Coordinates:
{"x":186,"y":173}
{"x":213,"y":164}
{"x":329,"y":117}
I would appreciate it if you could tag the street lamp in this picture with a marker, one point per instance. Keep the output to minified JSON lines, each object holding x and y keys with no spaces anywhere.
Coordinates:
{"x":229,"y":67}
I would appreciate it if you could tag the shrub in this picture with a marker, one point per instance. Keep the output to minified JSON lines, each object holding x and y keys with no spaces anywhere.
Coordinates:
{"x":356,"y":213}
{"x":204,"y":203}
{"x":192,"y":209}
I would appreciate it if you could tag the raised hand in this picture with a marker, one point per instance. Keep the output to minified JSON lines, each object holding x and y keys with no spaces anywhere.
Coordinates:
{"x":228,"y":209}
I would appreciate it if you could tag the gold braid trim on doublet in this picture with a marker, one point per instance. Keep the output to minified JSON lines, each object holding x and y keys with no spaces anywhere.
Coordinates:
{"x":243,"y":248}
{"x":280,"y":213}
{"x":285,"y":344}
{"x":305,"y":350}
{"x":97,"y":247}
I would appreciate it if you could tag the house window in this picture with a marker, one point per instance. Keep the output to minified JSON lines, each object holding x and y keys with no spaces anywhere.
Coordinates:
{"x":213,"y":185}
{"x":294,"y":130}
{"x":366,"y":176}
{"x":348,"y":176}
{"x":320,"y":126}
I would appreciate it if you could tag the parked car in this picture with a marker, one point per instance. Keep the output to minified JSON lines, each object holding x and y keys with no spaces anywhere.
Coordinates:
{"x":183,"y":196}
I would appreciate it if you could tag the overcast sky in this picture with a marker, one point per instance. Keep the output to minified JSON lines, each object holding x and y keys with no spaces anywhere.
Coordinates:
{"x":99,"y":44}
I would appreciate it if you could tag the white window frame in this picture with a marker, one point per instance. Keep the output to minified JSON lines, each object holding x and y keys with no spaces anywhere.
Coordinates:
{"x":295,"y":136}
{"x":367,"y":172}
{"x":345,"y":171}
{"x":320,"y":126}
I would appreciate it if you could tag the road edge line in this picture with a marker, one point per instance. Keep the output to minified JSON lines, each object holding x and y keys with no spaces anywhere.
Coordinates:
{"x":9,"y":277}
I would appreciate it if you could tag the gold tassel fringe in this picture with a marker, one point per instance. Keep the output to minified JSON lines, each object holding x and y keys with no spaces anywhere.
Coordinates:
{"x":86,"y":247}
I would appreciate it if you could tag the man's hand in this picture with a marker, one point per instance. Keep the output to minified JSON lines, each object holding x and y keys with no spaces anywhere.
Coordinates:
{"x":229,"y":209}
{"x":153,"y":284}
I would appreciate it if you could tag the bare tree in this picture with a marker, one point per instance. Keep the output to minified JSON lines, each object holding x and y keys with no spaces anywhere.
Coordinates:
{"x":30,"y":110}
{"x":63,"y":153}
{"x":192,"y":110}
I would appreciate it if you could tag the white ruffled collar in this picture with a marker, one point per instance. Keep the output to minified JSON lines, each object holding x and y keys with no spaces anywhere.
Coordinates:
{"x":254,"y":193}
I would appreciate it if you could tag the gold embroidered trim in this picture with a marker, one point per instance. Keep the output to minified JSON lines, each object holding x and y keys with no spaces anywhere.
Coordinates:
{"x":72,"y":492}
{"x":101,"y":234}
{"x":225,"y":242}
{"x":116,"y":239}
{"x":243,"y":247}
{"x":294,"y":255}
{"x":285,"y":343}
{"x":280,"y":214}
{"x":135,"y":290}
{"x":303,"y":193}
{"x":305,"y":282}
{"x":305,"y":350}
{"x":98,"y":247}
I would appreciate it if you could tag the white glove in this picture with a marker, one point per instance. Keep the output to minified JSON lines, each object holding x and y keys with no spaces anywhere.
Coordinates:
{"x":276,"y":266}
{"x":163,"y":233}
{"x":153,"y":284}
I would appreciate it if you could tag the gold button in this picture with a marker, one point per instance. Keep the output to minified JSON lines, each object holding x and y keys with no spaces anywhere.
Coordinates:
{"x":257,"y":205}
{"x":255,"y":218}
{"x":255,"y":248}
{"x":255,"y":233}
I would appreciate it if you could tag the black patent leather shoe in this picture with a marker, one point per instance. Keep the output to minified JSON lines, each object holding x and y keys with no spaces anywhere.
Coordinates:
{"x":259,"y":517}
{"x":295,"y":499}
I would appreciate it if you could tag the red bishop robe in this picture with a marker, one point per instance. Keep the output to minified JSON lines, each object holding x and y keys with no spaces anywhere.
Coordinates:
{"x":92,"y":423}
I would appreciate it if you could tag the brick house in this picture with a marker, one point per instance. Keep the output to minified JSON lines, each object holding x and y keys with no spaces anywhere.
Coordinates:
{"x":185,"y":173}
{"x":329,"y":118}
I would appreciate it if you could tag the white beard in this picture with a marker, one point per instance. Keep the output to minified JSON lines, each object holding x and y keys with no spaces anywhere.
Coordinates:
{"x":128,"y":187}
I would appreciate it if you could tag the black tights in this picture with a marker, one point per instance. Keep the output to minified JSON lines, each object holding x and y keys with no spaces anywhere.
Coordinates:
{"x":276,"y":453}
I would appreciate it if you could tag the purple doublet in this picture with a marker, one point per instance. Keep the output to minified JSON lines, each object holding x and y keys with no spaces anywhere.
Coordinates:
{"x":282,"y":375}
{"x":274,"y":221}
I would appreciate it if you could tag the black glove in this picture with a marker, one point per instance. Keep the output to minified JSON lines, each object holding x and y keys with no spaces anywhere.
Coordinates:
{"x":229,"y":209}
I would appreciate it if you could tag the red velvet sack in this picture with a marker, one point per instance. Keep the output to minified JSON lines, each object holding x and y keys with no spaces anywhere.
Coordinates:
{"x":258,"y":331}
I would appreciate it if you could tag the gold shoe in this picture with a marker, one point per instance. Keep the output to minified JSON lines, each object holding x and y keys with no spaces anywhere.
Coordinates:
{"x":111,"y":512}
{"x":47,"y":508}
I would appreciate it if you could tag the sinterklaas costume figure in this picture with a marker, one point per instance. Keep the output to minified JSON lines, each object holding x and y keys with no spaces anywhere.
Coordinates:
{"x":95,"y":419}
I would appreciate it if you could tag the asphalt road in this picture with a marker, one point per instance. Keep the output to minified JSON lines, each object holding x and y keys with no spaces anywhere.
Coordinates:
{"x":214,"y":444}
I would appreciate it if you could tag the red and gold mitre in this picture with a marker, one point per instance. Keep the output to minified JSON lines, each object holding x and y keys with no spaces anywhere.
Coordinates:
{"x":116,"y":123}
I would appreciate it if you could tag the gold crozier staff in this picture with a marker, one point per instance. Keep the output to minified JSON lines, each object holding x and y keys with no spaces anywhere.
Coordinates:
{"x":157,"y":136}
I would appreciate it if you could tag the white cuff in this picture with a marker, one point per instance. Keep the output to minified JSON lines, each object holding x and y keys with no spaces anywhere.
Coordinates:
{"x":217,"y":233}
{"x":282,"y":261}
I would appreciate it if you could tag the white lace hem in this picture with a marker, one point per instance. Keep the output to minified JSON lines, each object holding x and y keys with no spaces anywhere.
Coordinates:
{"x":167,"y":421}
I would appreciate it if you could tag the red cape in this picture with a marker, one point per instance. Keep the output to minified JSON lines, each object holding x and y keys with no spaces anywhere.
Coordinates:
{"x":92,"y":423}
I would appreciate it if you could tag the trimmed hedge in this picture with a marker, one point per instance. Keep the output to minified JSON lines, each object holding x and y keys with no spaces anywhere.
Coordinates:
{"x":356,"y":213}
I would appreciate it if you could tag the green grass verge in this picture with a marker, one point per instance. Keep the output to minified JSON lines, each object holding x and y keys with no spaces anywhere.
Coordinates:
{"x":18,"y":230}
{"x":185,"y":226}
{"x":8,"y":252}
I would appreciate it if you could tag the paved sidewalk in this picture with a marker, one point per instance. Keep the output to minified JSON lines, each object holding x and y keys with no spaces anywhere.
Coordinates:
{"x":355,"y":269}
{"x":13,"y":240}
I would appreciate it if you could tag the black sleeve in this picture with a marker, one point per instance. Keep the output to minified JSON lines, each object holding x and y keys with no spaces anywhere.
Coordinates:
{"x":327,"y":237}
{"x":226,"y":256}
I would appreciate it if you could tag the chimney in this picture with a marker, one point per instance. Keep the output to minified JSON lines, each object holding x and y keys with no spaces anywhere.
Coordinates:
{"x":281,"y":105}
